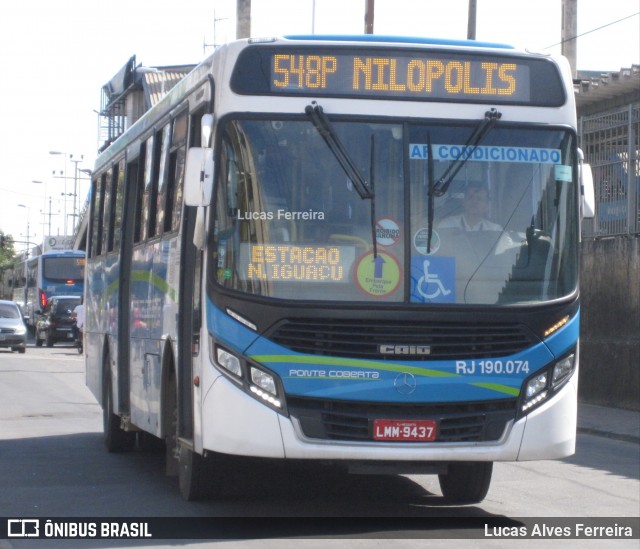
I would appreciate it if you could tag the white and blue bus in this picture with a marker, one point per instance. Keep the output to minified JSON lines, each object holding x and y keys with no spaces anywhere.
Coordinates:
{"x":55,"y":272}
{"x":355,"y":250}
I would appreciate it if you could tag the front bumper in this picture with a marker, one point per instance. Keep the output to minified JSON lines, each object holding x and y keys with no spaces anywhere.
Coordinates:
{"x":235,"y":423}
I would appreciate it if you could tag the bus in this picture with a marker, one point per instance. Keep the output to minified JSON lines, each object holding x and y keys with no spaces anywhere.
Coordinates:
{"x":36,"y":279}
{"x":282,"y":264}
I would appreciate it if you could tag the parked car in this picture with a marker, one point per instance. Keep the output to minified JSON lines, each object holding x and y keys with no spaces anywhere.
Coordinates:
{"x":13,"y":330}
{"x":56,"y":321}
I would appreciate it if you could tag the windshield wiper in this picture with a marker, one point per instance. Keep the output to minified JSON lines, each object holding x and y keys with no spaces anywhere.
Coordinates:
{"x":325,"y":129}
{"x":372,"y":198}
{"x":440,"y":187}
{"x":485,"y":126}
{"x":322,"y":123}
{"x":430,"y":192}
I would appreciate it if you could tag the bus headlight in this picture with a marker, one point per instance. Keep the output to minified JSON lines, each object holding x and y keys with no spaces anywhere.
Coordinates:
{"x":264,"y":386}
{"x":253,"y":379}
{"x":563,"y":369}
{"x":535,"y":391}
{"x":228,"y":361}
{"x":263,"y":380}
{"x":545,"y":383}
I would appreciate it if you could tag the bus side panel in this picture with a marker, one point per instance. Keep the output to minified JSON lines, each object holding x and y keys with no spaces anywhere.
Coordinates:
{"x":153,"y":317}
{"x":101,"y":320}
{"x":143,"y":353}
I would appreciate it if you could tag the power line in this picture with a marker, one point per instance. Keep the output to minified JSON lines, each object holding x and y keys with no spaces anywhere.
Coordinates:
{"x":592,"y":30}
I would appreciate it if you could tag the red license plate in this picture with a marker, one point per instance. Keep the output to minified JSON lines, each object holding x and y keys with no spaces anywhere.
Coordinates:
{"x":404,"y":430}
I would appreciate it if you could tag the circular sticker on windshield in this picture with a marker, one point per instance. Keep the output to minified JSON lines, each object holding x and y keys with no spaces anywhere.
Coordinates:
{"x":378,"y":276}
{"x":420,"y":241}
{"x":387,"y":232}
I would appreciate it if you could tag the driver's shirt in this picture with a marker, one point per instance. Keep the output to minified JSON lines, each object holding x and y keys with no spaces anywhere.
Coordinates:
{"x":459,"y":222}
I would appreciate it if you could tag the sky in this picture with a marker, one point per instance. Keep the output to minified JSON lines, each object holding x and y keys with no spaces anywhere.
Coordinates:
{"x":56,"y":56}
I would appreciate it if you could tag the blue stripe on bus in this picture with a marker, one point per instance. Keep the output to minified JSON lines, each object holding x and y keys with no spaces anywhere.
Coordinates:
{"x":375,"y":380}
{"x":228,"y":331}
{"x":395,"y":39}
{"x":321,"y":376}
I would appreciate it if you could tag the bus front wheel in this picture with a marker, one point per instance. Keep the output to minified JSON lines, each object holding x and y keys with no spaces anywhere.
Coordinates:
{"x":192,"y":474}
{"x":203,"y":477}
{"x":115,"y":438}
{"x":199,"y":476}
{"x":466,"y":482}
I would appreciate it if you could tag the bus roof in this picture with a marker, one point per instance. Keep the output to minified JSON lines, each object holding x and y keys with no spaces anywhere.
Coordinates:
{"x":396,"y":39}
{"x":63,"y":253}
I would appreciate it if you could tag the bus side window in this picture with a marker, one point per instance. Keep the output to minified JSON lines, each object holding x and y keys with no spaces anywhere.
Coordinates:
{"x":150,"y":182}
{"x":163,"y":159}
{"x":134,"y":178}
{"x":173,"y":194}
{"x":106,"y":211}
{"x":117,"y":207}
{"x":97,"y":215}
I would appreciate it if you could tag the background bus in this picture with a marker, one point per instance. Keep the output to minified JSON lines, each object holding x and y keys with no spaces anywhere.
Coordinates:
{"x":55,"y":272}
{"x":283,"y":262}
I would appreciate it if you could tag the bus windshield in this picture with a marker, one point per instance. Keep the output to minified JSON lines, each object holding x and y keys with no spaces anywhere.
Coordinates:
{"x":63,"y":269}
{"x":291,"y":224}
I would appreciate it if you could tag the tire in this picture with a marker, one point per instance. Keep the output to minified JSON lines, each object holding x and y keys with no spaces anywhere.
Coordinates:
{"x":116,"y":439}
{"x":21,"y":350}
{"x":199,"y":477}
{"x":204,"y":477}
{"x":38,"y":340}
{"x":49,"y":341}
{"x":466,"y":482}
{"x":192,"y":474}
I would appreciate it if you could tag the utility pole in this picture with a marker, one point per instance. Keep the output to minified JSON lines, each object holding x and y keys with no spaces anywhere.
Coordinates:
{"x":243,"y":18}
{"x":369,"y":9}
{"x":471,"y":22}
{"x":75,"y":179}
{"x":569,"y":43}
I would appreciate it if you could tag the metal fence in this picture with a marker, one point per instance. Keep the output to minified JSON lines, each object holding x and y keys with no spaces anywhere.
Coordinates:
{"x":610,"y":142}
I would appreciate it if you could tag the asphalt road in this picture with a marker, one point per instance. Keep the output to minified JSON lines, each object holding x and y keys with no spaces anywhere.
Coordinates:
{"x":53,"y":464}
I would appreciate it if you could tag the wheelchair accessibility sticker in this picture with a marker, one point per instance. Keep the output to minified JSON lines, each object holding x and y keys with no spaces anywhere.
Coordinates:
{"x":433,"y":279}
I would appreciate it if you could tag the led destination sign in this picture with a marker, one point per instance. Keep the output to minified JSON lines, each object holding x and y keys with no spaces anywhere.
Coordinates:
{"x":436,"y":77}
{"x":286,"y":262}
{"x":406,"y":74}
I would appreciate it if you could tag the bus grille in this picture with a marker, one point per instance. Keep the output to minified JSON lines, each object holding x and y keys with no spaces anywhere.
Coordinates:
{"x":353,"y":421}
{"x":362,"y":338}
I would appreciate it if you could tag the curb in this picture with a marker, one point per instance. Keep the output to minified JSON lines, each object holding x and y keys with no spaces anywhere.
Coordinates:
{"x":607,"y":434}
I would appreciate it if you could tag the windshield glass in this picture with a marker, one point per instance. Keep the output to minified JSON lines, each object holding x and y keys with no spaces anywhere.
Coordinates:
{"x":291,"y":224}
{"x":63,"y":268}
{"x":9,"y":311}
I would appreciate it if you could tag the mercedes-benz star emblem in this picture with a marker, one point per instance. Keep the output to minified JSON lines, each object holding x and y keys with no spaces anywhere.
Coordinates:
{"x":405,"y":383}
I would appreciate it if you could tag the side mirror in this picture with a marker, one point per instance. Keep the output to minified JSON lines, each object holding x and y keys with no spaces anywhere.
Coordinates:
{"x":587,"y":192}
{"x":198,"y":178}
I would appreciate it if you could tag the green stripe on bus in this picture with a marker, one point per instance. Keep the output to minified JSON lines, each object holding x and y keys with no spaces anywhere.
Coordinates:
{"x":385,"y":366}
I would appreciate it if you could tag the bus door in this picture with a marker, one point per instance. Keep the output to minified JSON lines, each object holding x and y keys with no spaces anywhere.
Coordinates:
{"x":190,"y":314}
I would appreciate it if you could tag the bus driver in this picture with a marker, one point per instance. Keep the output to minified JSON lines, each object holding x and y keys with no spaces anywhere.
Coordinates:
{"x":476,"y":206}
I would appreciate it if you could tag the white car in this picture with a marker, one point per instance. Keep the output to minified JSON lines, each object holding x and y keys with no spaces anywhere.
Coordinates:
{"x":13,"y":331}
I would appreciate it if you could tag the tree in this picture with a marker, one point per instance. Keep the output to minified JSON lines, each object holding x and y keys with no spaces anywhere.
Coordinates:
{"x":7,"y":258}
